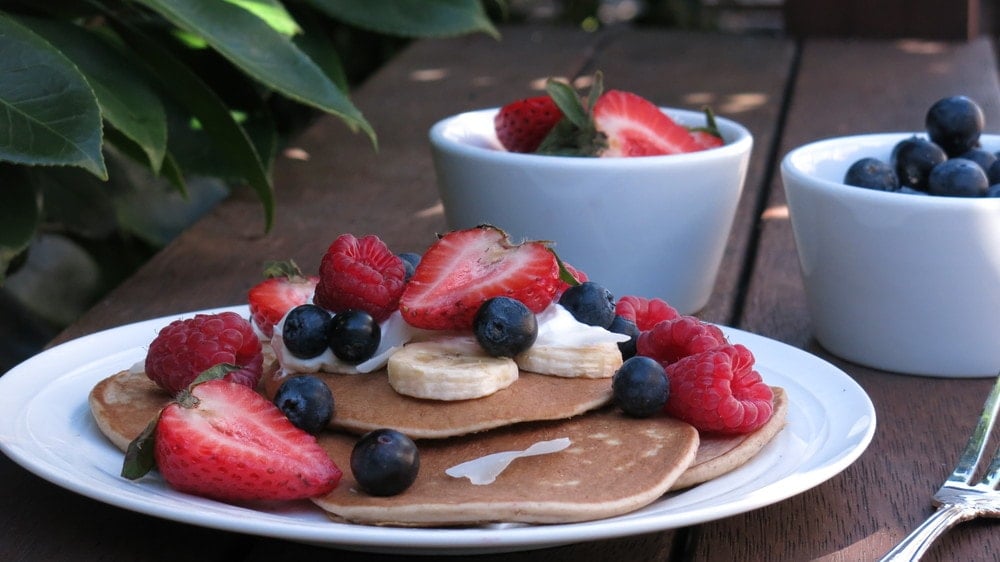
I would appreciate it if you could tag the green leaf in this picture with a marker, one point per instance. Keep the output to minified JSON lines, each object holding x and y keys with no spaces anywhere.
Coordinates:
{"x":231,"y":140}
{"x":127,"y":100}
{"x":567,"y":100}
{"x":19,"y":215}
{"x":169,"y":168}
{"x":412,"y":18}
{"x":264,"y":54}
{"x":315,"y":43}
{"x":76,"y":200}
{"x":139,"y":457}
{"x":49,"y":111}
{"x":273,"y":13}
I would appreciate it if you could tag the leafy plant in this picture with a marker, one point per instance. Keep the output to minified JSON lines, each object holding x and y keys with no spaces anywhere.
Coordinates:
{"x":110,"y":108}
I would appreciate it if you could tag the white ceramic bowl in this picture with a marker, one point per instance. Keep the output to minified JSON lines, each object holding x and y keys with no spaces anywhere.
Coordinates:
{"x":900,"y":282}
{"x":653,"y":226}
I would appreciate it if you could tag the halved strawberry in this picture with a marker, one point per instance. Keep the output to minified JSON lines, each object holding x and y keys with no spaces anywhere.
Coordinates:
{"x":224,"y":441}
{"x":636,"y":127}
{"x":465,"y":268}
{"x":707,"y":139}
{"x":284,"y":289}
{"x":522,"y":125}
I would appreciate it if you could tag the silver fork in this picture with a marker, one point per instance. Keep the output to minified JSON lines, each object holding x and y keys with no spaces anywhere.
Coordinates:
{"x":959,"y":499}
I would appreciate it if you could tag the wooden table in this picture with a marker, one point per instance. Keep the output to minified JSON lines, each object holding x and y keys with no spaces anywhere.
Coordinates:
{"x":786,"y":92}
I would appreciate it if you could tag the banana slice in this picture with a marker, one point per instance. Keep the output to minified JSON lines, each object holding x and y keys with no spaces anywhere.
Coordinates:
{"x":590,"y":361}
{"x":451,"y":369}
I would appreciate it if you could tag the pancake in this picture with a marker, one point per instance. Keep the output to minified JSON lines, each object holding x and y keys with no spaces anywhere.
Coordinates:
{"x":614,"y":465}
{"x":366,"y":402}
{"x":124,"y":404}
{"x":719,"y":454}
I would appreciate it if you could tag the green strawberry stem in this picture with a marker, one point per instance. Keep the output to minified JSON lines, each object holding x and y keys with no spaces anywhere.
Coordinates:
{"x":288,"y":269}
{"x":710,"y":126}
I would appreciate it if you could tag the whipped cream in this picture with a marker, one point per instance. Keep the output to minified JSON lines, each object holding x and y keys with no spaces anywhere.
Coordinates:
{"x":556,"y":327}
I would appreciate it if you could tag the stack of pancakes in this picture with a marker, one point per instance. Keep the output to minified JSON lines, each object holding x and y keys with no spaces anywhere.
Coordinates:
{"x":614,"y":465}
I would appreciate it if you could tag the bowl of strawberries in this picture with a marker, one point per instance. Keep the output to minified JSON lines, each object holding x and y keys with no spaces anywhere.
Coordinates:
{"x":639,"y":196}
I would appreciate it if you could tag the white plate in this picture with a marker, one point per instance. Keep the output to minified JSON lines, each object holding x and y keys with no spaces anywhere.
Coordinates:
{"x":46,"y":426}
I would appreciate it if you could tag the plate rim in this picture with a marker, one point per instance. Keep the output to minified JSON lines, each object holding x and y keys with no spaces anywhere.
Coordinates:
{"x":396,"y":540}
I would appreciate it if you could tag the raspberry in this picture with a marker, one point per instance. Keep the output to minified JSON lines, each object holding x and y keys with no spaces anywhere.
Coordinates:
{"x":185,"y":348}
{"x":674,"y":339}
{"x":645,"y":313}
{"x":360,"y":274}
{"x":718,"y":391}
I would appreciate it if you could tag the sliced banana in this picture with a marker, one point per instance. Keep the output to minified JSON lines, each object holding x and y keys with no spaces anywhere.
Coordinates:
{"x":450,"y":369}
{"x":590,"y":361}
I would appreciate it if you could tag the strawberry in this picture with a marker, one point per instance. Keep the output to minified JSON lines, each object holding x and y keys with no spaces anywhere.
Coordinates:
{"x":360,"y":274}
{"x":522,"y":125}
{"x":184,"y":348}
{"x":284,"y":289}
{"x":644,"y":312}
{"x":718,"y":391}
{"x":636,"y":127}
{"x":465,"y":268}
{"x":576,"y":274}
{"x":706,"y":139}
{"x":671,"y":340}
{"x":224,"y":441}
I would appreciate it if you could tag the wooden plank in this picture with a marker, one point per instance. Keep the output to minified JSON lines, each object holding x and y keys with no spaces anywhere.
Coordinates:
{"x":742,"y":77}
{"x":924,"y":19}
{"x":847,"y":87}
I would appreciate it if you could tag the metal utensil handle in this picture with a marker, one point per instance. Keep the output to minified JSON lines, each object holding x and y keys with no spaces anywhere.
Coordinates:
{"x":919,"y":540}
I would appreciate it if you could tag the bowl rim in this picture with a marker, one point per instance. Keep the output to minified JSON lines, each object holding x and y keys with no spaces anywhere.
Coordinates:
{"x":803,"y":180}
{"x":742,"y":143}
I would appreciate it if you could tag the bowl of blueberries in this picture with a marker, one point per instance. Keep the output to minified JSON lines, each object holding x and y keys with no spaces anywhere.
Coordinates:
{"x":898,"y":240}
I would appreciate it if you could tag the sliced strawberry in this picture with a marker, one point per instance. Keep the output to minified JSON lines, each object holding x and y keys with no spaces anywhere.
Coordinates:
{"x":644,"y":312}
{"x":360,"y":274}
{"x":284,"y":289}
{"x":465,"y":268}
{"x":575,"y":273}
{"x":706,"y":139}
{"x":225,"y":441}
{"x":636,"y":127}
{"x":522,"y":125}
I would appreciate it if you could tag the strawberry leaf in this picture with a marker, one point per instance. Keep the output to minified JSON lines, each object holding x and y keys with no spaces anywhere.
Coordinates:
{"x":139,"y":458}
{"x":216,"y":372}
{"x":596,"y":89}
{"x":568,"y":102}
{"x":564,"y":273}
{"x":288,"y":269}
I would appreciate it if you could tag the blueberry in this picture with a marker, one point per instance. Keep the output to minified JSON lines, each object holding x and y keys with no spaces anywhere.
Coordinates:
{"x":410,"y":262}
{"x":354,"y":336}
{"x":504,"y":327}
{"x":955,"y":123}
{"x":993,"y":191}
{"x":385,"y":462}
{"x":306,"y":401}
{"x":589,"y":303}
{"x":984,"y":158}
{"x":305,"y":331}
{"x":958,"y":177}
{"x":913,"y":159}
{"x":872,"y":173}
{"x":993,"y":173}
{"x":622,"y":325}
{"x":640,"y":387}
